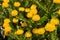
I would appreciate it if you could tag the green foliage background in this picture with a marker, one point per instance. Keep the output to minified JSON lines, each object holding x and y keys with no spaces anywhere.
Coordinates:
{"x":46,"y":9}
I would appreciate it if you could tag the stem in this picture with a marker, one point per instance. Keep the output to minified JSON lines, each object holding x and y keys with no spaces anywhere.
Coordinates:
{"x":53,"y":35}
{"x":44,"y":8}
{"x":51,"y":7}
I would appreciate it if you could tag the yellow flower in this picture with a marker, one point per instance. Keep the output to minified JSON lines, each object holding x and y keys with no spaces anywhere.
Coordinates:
{"x":28,"y":34}
{"x":41,"y":31}
{"x":6,"y":20}
{"x":54,"y":21}
{"x":36,"y":18}
{"x":56,"y":1}
{"x":5,"y":5}
{"x":24,"y":24}
{"x":6,"y":1}
{"x":27,"y":10}
{"x":33,"y":6}
{"x":7,"y":30}
{"x":15,"y":20}
{"x":35,"y":31}
{"x":14,"y":13}
{"x":49,"y":27}
{"x":29,"y":15}
{"x":58,"y":11}
{"x":33,"y":11}
{"x":17,"y":4}
{"x":5,"y":25}
{"x":19,"y":32}
{"x":22,"y":9}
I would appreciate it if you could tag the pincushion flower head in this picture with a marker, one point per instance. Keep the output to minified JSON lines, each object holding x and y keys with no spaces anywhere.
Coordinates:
{"x":15,"y":20}
{"x":7,"y":30}
{"x":33,"y":6}
{"x":28,"y":34}
{"x":38,"y":31}
{"x":17,"y":4}
{"x":36,"y":18}
{"x":27,"y":10}
{"x":33,"y":11}
{"x":50,"y":27}
{"x":19,"y":32}
{"x":7,"y":1}
{"x":29,"y":15}
{"x":35,"y":31}
{"x":21,"y":9}
{"x":24,"y":24}
{"x":5,"y":5}
{"x":54,"y":21}
{"x":58,"y":12}
{"x":5,"y":25}
{"x":41,"y":31}
{"x":6,"y":20}
{"x":56,"y":1}
{"x":14,"y":13}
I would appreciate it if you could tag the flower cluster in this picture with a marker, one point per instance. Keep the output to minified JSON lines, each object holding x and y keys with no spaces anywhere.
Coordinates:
{"x":33,"y":20}
{"x":6,"y":26}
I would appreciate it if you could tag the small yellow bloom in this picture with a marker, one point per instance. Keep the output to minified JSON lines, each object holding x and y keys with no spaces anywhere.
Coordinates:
{"x":6,"y":20}
{"x":56,"y":1}
{"x":29,"y":15}
{"x":5,"y":25}
{"x":24,"y":24}
{"x":33,"y":11}
{"x":19,"y":32}
{"x":17,"y":4}
{"x":5,"y":5}
{"x":54,"y":21}
{"x":14,"y":13}
{"x":22,"y":9}
{"x":36,"y":18}
{"x":33,"y":6}
{"x":49,"y":27}
{"x":27,"y":10}
{"x":15,"y":20}
{"x":58,"y":12}
{"x":28,"y":34}
{"x":41,"y":31}
{"x":35,"y":31}
{"x":7,"y":30}
{"x":6,"y":1}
